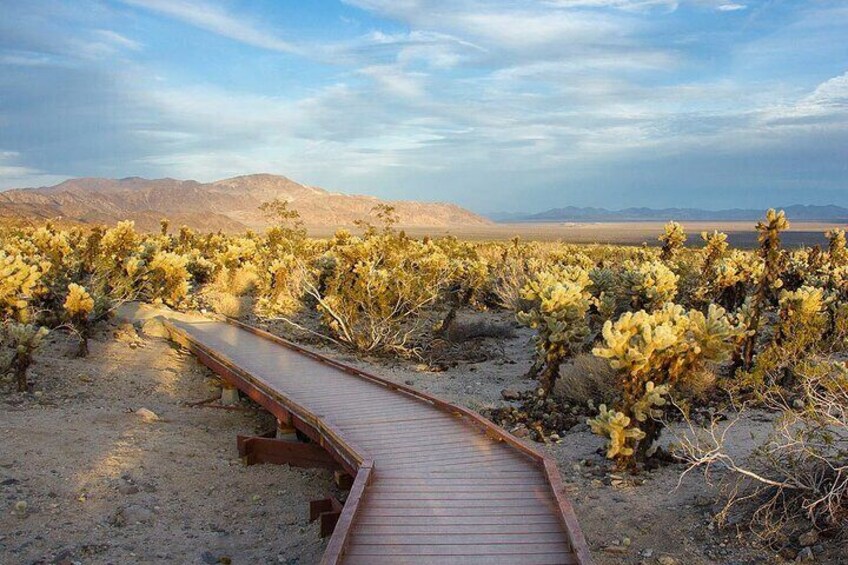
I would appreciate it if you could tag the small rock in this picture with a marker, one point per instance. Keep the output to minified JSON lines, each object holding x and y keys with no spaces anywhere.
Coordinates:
{"x":521,"y":431}
{"x":510,"y":394}
{"x":666,"y":560}
{"x":126,"y":334}
{"x":647,"y":553}
{"x":808,"y":538}
{"x":147,"y":415}
{"x":133,"y":514}
{"x":155,"y":328}
{"x":127,"y":489}
{"x":804,"y":556}
{"x":702,"y":501}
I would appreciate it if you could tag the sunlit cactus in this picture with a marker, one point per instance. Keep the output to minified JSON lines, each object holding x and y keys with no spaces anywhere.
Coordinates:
{"x":560,"y":302}
{"x":662,"y":348}
{"x":648,"y":284}
{"x":770,"y":283}
{"x":673,"y":239}
{"x":23,"y":340}
{"x":79,"y":307}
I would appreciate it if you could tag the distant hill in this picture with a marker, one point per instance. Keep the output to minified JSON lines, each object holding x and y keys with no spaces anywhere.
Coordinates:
{"x":229,"y":205}
{"x":796,"y":212}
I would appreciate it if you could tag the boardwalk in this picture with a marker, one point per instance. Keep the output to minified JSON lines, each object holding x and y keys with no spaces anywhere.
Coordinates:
{"x":434,"y":483}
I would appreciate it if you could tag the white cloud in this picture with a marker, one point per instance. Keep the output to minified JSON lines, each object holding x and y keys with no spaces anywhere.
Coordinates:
{"x":118,"y":40}
{"x":213,"y":19}
{"x":731,"y":7}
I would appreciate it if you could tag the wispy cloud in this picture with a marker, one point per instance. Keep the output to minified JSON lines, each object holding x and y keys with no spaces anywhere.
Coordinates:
{"x":117,"y":39}
{"x":731,"y":7}
{"x":214,"y":19}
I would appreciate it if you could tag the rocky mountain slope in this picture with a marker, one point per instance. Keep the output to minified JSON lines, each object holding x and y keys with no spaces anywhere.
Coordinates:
{"x":229,"y":205}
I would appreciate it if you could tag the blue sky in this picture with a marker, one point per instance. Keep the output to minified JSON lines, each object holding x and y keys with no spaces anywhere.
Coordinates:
{"x":496,"y":105}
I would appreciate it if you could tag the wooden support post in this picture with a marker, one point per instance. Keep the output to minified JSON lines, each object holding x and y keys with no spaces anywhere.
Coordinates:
{"x":229,"y":394}
{"x":257,"y":449}
{"x":327,"y":511}
{"x":343,"y":480}
{"x":285,"y":429}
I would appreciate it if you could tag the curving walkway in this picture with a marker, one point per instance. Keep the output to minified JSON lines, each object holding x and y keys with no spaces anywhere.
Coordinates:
{"x":435,"y":483}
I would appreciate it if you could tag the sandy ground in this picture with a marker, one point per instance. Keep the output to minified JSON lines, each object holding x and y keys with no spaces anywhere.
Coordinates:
{"x":103,"y":486}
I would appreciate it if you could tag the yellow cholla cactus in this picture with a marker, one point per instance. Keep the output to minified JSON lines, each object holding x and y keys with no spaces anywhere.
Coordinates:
{"x":616,"y":427}
{"x":644,"y":407}
{"x":24,"y":339}
{"x":673,"y":239}
{"x":837,"y":248}
{"x":806,"y":301}
{"x":19,"y":280}
{"x":168,"y":277}
{"x":650,"y":284}
{"x":282,"y":286}
{"x":560,"y":303}
{"x":79,"y":303}
{"x":654,"y":351}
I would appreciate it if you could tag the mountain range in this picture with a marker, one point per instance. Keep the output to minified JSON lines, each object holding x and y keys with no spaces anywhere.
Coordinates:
{"x":230,"y":205}
{"x":797,"y":212}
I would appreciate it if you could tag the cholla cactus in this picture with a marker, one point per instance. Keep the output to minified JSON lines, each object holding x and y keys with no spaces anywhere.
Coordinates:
{"x":560,"y":303}
{"x":644,"y":408}
{"x":673,"y":239}
{"x":168,"y":277}
{"x":79,"y":306}
{"x":803,"y":321}
{"x":617,"y":428}
{"x":283,"y":286}
{"x":469,"y":273}
{"x":19,"y":280}
{"x":24,"y":340}
{"x":715,"y":247}
{"x":661,"y":348}
{"x":837,"y":249}
{"x":649,"y":284}
{"x":770,"y":282}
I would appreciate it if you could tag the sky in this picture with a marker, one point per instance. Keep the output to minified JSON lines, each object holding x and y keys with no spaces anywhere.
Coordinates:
{"x":499,"y":106}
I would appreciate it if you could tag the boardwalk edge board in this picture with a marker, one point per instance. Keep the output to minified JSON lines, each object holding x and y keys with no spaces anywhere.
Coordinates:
{"x":354,"y":459}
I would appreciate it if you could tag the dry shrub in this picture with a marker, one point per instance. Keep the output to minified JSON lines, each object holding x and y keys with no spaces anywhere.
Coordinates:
{"x":228,"y":305}
{"x":698,"y":385}
{"x":465,"y":330}
{"x":238,"y":281}
{"x":586,"y":378}
{"x":798,"y":477}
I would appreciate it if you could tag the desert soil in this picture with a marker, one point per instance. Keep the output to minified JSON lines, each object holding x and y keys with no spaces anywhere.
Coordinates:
{"x":103,"y":485}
